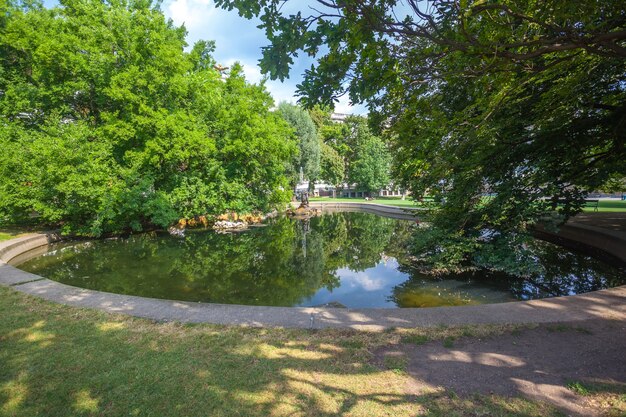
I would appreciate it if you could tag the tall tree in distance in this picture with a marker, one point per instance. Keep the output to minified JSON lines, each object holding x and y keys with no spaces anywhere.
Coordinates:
{"x":332,"y":163}
{"x":370,"y":160}
{"x":351,"y":152}
{"x":614,"y":185}
{"x":308,"y":159}
{"x":332,"y":167}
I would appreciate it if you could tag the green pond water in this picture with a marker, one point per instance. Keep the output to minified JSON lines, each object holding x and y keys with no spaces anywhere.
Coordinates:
{"x":341,"y":259}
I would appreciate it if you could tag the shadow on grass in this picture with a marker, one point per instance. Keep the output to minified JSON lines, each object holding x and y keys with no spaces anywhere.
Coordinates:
{"x":62,"y":361}
{"x":538,"y":364}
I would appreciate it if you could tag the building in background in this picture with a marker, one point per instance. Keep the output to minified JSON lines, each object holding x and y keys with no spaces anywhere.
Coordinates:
{"x":322,"y":189}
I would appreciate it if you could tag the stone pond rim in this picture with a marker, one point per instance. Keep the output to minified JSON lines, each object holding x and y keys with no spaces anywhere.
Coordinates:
{"x":608,"y":303}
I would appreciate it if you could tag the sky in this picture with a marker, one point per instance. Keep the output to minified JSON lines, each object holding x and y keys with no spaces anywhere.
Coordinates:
{"x":239,"y":39}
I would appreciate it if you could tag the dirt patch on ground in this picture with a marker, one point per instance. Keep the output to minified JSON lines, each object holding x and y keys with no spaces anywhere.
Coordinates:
{"x":534,"y":363}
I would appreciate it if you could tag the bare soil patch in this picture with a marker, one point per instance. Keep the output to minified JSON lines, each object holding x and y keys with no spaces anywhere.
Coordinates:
{"x":537,"y":363}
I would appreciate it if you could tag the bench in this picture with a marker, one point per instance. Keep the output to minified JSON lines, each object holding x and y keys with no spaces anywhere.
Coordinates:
{"x":593,"y":203}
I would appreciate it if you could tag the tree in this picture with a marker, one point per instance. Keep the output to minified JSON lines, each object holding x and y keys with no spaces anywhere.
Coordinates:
{"x":615,"y":184}
{"x":488,"y":106}
{"x":109,"y":125}
{"x":332,"y":164}
{"x":350,"y":151}
{"x":369,"y":167}
{"x":306,"y":135}
{"x":374,"y":44}
{"x":332,"y":167}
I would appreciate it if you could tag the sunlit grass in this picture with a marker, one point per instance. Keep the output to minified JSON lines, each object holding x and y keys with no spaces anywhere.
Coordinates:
{"x":12,"y":232}
{"x":63,"y":361}
{"x":607,"y":396}
{"x":7,"y":236}
{"x":84,"y":402}
{"x":13,"y":393}
{"x":605,"y":206}
{"x":389,"y":201}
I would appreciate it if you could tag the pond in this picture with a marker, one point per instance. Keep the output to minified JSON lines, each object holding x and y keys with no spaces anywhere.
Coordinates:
{"x":342,"y":259}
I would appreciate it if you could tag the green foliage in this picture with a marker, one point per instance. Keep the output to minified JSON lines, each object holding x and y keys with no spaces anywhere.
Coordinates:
{"x":332,"y":162}
{"x":444,"y":251}
{"x":306,"y":136}
{"x":578,"y":387}
{"x":368,"y":159}
{"x":351,"y":152}
{"x":370,"y":168}
{"x":615,"y":184}
{"x":109,"y":125}
{"x":332,"y":169}
{"x":521,"y":101}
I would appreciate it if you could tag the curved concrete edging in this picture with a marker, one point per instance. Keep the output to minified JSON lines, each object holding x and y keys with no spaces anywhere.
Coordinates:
{"x":401,"y":213}
{"x":576,"y":235}
{"x":610,"y":303}
{"x":13,"y":248}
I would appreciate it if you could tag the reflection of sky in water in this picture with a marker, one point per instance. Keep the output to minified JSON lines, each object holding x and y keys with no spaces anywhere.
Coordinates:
{"x":374,"y":287}
{"x":369,"y":288}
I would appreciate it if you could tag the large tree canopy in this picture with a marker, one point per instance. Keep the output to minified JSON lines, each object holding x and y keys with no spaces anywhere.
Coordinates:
{"x":498,"y":109}
{"x":108,"y":124}
{"x":369,"y":44}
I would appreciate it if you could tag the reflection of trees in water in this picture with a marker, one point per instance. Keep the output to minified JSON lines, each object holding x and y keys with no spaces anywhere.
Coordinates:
{"x":280,"y":264}
{"x":557,"y":272}
{"x":262,"y":266}
{"x":270,"y":266}
{"x":354,"y":240}
{"x":565,"y":273}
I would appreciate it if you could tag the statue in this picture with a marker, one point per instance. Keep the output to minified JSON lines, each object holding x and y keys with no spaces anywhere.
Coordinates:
{"x":303,"y":211}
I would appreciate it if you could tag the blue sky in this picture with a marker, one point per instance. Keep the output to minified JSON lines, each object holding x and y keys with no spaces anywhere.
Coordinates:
{"x":239,"y":39}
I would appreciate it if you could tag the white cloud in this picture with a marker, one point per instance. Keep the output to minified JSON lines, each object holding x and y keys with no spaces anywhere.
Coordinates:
{"x":194,"y":14}
{"x":344,"y":106}
{"x":360,"y":279}
{"x":239,"y":39}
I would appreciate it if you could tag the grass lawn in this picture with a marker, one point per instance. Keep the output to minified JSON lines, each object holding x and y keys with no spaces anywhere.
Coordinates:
{"x":606,"y":206}
{"x":6,"y":234}
{"x":64,"y":361}
{"x":389,"y":201}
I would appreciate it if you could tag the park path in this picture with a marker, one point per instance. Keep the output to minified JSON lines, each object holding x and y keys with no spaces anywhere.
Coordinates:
{"x":611,"y":221}
{"x":533,"y":363}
